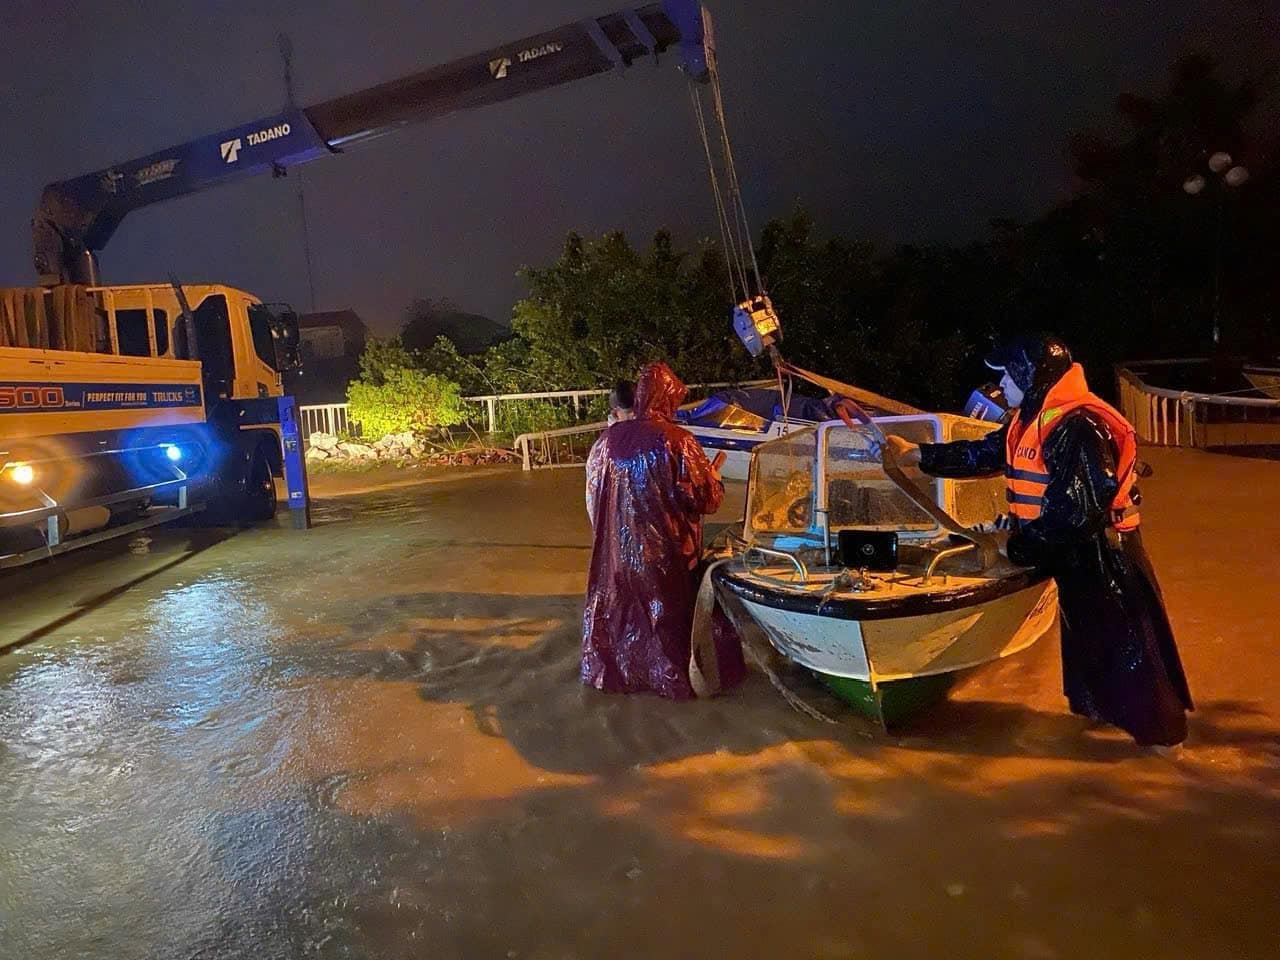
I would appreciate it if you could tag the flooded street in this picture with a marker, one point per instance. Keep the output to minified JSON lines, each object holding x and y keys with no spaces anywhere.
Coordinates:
{"x":368,"y":740}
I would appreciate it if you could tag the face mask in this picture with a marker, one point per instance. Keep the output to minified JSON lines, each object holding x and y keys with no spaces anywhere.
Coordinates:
{"x":1011,"y":391}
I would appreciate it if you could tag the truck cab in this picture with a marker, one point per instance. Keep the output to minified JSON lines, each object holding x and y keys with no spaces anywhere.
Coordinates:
{"x":238,"y":339}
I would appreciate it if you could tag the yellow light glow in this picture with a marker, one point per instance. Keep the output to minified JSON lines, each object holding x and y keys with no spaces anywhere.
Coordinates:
{"x":763,"y":317}
{"x":22,"y":473}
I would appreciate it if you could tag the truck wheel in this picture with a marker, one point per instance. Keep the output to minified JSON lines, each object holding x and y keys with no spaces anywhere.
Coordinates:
{"x":260,"y":491}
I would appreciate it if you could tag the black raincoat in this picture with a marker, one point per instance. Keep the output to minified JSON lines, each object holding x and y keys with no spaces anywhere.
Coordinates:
{"x":1119,"y":660}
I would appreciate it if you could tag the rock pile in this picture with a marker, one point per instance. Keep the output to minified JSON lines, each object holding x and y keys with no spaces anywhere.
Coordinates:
{"x":399,"y":448}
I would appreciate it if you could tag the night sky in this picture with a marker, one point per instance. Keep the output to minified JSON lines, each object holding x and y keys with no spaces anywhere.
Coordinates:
{"x":903,"y":121}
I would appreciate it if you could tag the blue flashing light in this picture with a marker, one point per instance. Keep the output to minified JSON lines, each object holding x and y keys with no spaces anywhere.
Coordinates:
{"x":173,"y":452}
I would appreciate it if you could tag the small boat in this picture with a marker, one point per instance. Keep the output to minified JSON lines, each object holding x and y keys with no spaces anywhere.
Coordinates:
{"x":1265,"y":378}
{"x":887,"y":587}
{"x":736,"y":421}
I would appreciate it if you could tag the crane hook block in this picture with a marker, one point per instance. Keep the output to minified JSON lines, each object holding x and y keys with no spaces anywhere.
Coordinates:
{"x":756,"y":324}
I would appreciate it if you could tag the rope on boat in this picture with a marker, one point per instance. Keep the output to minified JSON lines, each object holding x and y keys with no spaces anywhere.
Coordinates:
{"x":704,"y":670}
{"x":704,"y":667}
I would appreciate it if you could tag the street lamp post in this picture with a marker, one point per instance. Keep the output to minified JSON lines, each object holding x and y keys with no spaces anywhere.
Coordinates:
{"x":1225,"y":175}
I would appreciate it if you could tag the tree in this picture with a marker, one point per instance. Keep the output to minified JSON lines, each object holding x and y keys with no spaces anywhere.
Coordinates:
{"x":603,"y":309}
{"x":427,"y":320}
{"x":1138,"y":253}
{"x":381,"y":358}
{"x":903,"y":324}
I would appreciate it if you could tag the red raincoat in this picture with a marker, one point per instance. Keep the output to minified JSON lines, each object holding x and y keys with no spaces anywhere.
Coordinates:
{"x":648,"y":486}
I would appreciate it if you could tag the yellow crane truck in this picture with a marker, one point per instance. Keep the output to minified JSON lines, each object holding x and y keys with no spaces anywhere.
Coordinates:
{"x":127,"y":406}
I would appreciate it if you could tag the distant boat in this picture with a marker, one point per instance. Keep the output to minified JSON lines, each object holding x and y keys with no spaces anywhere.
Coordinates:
{"x":1265,"y":378}
{"x":736,"y":421}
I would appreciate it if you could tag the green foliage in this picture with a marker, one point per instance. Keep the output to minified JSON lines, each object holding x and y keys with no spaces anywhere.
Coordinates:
{"x":407,"y":400}
{"x":382,"y":358}
{"x":394,"y":395}
{"x":527,"y":416}
{"x":903,"y":324}
{"x":604,"y":309}
{"x":444,"y":359}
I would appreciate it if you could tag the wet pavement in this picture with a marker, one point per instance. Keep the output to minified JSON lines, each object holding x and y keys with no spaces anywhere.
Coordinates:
{"x":368,"y":740}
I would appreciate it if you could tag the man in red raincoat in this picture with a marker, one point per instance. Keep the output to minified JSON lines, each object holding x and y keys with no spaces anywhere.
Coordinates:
{"x":648,"y":487}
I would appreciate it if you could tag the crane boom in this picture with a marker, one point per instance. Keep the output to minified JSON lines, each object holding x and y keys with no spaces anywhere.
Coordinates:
{"x":77,"y":217}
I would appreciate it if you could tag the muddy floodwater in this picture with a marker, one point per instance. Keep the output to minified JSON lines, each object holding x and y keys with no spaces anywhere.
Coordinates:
{"x":368,"y":740}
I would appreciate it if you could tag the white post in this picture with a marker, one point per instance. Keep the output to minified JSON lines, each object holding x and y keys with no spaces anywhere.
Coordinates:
{"x":492,"y":404}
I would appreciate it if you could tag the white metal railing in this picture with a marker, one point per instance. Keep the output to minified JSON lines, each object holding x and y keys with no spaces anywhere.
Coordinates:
{"x":491,"y":401}
{"x":333,"y":418}
{"x":1185,"y":418}
{"x":551,"y":449}
{"x":330,"y":418}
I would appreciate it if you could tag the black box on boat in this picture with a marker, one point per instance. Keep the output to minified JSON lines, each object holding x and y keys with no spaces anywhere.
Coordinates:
{"x":873,"y":549}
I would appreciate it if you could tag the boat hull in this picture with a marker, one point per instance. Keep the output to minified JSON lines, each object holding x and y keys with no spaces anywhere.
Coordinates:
{"x":891,"y":668}
{"x":736,"y":445}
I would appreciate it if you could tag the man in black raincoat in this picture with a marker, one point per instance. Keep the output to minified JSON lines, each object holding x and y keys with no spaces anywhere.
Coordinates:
{"x":1069,"y":460}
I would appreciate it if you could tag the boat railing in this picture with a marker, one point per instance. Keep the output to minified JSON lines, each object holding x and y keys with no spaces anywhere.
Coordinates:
{"x":802,"y":572}
{"x":941,"y":555}
{"x":568,"y":446}
{"x":1171,"y":417}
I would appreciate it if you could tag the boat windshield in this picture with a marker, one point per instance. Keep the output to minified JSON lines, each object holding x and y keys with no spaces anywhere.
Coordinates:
{"x":976,"y":503}
{"x":726,"y":416}
{"x":860,"y":494}
{"x":780,"y":496}
{"x":783,"y":498}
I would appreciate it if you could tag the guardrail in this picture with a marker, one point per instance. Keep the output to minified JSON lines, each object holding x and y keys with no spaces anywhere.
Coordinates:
{"x":330,"y":418}
{"x":552,"y":449}
{"x":1187,"y":418}
{"x":491,"y":401}
{"x":334,"y":418}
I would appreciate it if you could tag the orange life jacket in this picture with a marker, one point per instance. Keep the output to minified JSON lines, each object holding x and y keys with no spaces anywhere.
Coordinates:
{"x":1027,"y":474}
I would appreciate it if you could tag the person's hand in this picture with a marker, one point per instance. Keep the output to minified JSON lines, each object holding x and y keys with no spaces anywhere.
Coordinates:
{"x":904,"y":453}
{"x":716,"y":464}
